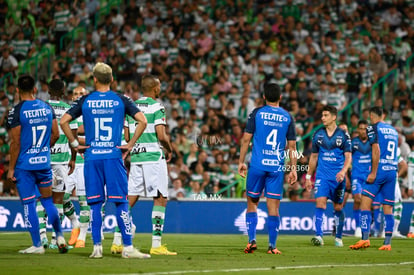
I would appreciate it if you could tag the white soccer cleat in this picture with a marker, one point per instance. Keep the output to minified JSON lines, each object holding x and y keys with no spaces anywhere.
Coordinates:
{"x":62,"y":246}
{"x":317,"y":241}
{"x":338,"y":242}
{"x":132,"y":252}
{"x":33,"y":250}
{"x":358,"y":232}
{"x":397,"y":234}
{"x":97,"y":252}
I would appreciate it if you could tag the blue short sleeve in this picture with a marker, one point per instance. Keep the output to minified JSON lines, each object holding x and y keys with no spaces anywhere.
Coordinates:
{"x":76,"y":110}
{"x":372,"y":133}
{"x":291,"y":133}
{"x":131,"y":108}
{"x":315,"y":145}
{"x":347,"y":144}
{"x":251,"y":122}
{"x":13,"y":120}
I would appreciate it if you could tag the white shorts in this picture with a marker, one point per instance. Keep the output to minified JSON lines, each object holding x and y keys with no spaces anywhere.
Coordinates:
{"x":60,"y":175}
{"x":146,"y":180}
{"x":76,"y":180}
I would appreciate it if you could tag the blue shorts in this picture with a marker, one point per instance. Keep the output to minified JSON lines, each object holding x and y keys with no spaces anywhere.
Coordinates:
{"x":377,"y":200}
{"x":28,"y":182}
{"x":271,"y":182}
{"x":331,"y":189}
{"x":357,"y":183}
{"x":383,"y":185}
{"x":105,"y":172}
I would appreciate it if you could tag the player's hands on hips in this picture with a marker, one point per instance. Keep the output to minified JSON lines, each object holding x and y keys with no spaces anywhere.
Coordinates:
{"x":125,"y":149}
{"x":340,"y":176}
{"x":168,"y":156}
{"x":81,"y":149}
{"x":308,"y":185}
{"x":10,"y":176}
{"x":242,"y":169}
{"x":371,"y":177}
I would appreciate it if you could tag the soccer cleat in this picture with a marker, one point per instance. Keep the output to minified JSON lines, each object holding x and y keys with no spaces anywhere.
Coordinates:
{"x":162,"y":250}
{"x":397,"y":234}
{"x":33,"y":250}
{"x":79,"y":244}
{"x":53,"y":246}
{"x":63,"y":248}
{"x":360,"y":244}
{"x":97,"y":252}
{"x":134,"y":253}
{"x":272,"y":250}
{"x":317,"y":241}
{"x":116,"y":249}
{"x":338,"y":242}
{"x":74,"y":236}
{"x":45,"y":242}
{"x":250,"y":247}
{"x":385,"y":247}
{"x":358,"y":232}
{"x":410,"y":235}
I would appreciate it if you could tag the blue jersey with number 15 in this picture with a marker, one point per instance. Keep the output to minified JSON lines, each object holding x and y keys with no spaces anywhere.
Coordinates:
{"x":35,"y":118}
{"x":103,"y":119}
{"x":271,"y":127}
{"x":387,"y":138}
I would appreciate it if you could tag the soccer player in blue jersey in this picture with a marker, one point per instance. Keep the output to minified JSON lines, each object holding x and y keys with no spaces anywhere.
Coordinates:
{"x":33,"y":130}
{"x":269,"y":127}
{"x":103,"y":114}
{"x":361,"y":166}
{"x":381,"y":180}
{"x":331,"y":152}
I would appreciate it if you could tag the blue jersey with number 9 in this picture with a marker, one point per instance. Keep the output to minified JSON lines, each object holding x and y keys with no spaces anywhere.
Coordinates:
{"x":35,"y":118}
{"x":271,"y":127}
{"x":103,"y":119}
{"x":387,"y":138}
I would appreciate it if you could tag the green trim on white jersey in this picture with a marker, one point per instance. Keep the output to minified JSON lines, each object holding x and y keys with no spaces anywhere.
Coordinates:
{"x":60,"y":152}
{"x":147,"y":149}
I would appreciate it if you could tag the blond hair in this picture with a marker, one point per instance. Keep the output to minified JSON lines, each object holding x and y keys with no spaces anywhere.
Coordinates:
{"x":103,"y":73}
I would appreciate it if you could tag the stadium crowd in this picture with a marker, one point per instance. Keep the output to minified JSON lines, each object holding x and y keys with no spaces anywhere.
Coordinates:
{"x":213,"y":59}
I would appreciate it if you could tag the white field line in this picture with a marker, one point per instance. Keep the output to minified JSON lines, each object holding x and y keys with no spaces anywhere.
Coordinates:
{"x":266,"y":268}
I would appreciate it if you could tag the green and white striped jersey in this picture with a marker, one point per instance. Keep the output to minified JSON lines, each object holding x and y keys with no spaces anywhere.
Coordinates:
{"x":147,"y":149}
{"x":60,"y":152}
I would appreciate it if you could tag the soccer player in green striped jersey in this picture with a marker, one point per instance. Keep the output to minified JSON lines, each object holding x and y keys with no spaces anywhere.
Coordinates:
{"x":60,"y":156}
{"x":410,"y":191}
{"x":77,"y":180}
{"x":148,"y":176}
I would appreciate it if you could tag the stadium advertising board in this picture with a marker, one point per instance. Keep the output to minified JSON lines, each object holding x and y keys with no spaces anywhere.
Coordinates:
{"x":208,"y":216}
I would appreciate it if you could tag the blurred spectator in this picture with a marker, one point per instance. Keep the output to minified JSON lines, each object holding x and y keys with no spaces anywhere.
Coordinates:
{"x":177,"y":191}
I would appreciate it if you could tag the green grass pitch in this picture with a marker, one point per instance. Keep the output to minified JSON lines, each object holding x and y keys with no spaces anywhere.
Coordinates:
{"x":213,"y":254}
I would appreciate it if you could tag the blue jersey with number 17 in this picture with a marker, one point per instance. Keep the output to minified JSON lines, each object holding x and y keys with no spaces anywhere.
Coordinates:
{"x":103,"y":119}
{"x":35,"y":118}
{"x":271,"y":127}
{"x":387,"y":138}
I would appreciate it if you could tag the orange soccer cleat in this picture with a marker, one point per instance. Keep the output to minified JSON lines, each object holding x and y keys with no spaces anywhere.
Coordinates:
{"x":250,"y":247}
{"x":386,"y":247}
{"x":410,"y":235}
{"x":74,"y":236}
{"x":360,"y":244}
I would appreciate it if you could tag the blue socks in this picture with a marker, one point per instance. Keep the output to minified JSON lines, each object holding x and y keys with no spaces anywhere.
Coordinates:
{"x":318,"y":221}
{"x":124,"y":222}
{"x":96,"y":222}
{"x":273,"y":223}
{"x":365,"y":223}
{"x":389,"y":227}
{"x":52,"y":215}
{"x":32,"y":222}
{"x":251,"y":223}
{"x":339,"y":223}
{"x":377,"y":220}
{"x":357,"y":217}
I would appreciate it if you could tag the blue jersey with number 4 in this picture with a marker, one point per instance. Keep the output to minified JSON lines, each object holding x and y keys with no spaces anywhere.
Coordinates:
{"x":387,"y":138}
{"x":35,"y":118}
{"x":103,"y":119}
{"x":361,"y":158}
{"x":271,"y":127}
{"x":331,"y":152}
